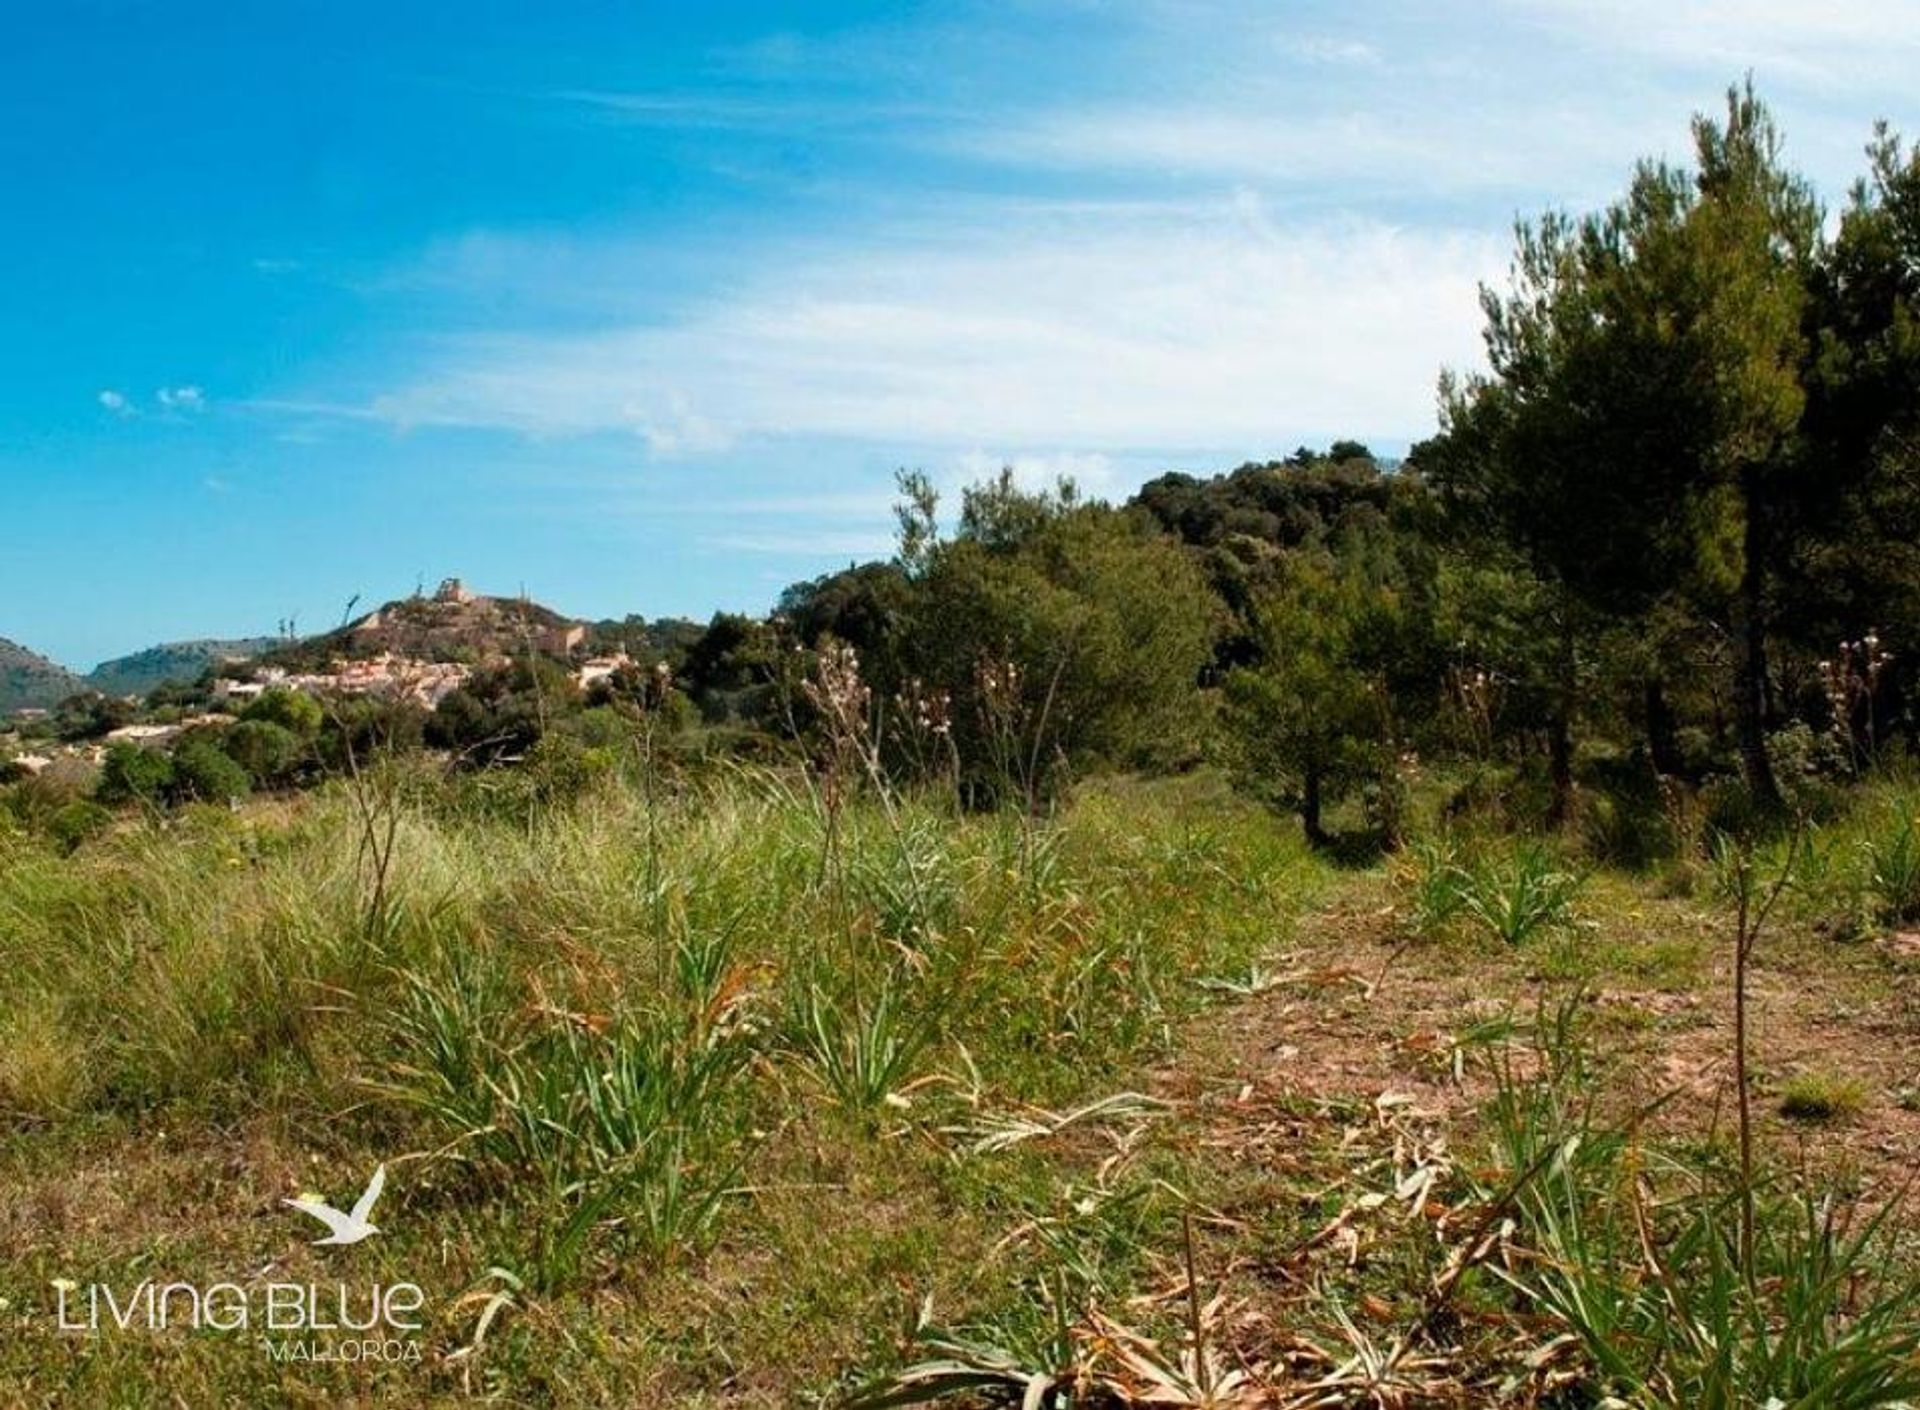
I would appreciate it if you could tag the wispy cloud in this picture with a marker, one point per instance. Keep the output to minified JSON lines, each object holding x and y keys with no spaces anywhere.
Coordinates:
{"x":749,"y":111}
{"x":804,"y":544}
{"x":679,"y":430}
{"x":1225,"y":232}
{"x":1183,"y":327}
{"x":1862,"y":44}
{"x":1324,"y":49}
{"x":169,"y":401}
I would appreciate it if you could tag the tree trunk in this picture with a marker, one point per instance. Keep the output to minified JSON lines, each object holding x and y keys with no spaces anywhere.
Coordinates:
{"x":1560,"y":769}
{"x":1663,"y":745}
{"x":1560,"y":727}
{"x":1750,"y":674}
{"x":1310,"y":808}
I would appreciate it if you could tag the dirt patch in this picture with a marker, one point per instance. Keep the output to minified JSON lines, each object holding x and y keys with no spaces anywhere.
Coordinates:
{"x":1354,"y":1013}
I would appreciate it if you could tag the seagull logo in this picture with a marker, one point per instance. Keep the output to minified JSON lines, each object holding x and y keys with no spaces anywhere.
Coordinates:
{"x":347,"y":1228}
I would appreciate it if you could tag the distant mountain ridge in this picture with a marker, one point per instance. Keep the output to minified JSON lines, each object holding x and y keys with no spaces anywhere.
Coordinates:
{"x":182,"y":661}
{"x":28,"y":679}
{"x":453,"y":624}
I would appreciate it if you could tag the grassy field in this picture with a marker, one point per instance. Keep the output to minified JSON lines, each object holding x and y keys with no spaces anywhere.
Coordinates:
{"x":708,"y":1094}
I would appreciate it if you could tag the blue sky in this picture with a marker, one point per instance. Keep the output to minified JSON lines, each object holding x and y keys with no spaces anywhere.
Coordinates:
{"x":638,"y":307}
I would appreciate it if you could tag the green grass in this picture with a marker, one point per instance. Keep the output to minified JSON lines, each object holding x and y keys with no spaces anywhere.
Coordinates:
{"x":691,"y":1079}
{"x":1633,"y":1250}
{"x":721,"y":1100}
{"x":1821,"y":1096}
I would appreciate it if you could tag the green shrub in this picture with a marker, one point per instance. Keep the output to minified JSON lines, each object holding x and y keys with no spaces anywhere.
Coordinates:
{"x":292,"y":710}
{"x":1893,"y":871}
{"x":201,"y":770}
{"x":77,"y":822}
{"x":1519,"y":896}
{"x":131,"y":774}
{"x":269,"y":752}
{"x":1809,"y":766}
{"x":561,"y":768}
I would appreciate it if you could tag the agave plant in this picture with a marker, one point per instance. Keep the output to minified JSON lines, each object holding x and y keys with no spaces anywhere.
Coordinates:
{"x":1893,"y":872}
{"x":864,"y":1053}
{"x":1519,"y":897}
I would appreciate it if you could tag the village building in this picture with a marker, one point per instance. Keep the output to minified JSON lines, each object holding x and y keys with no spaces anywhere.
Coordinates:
{"x":599,"y":668}
{"x":146,"y":736}
{"x":561,"y":640}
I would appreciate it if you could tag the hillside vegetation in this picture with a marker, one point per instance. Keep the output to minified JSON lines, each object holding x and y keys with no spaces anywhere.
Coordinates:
{"x":175,"y":662}
{"x":708,"y":1083}
{"x":31,"y":681}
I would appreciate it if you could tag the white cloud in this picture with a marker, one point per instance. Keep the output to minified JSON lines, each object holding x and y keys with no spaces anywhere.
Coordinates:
{"x":116,"y":402}
{"x":1398,"y":145}
{"x":680,"y":430}
{"x":1323,"y":49}
{"x":805,"y":544}
{"x":185,"y":399}
{"x":1858,"y":44}
{"x":1094,"y":473}
{"x":1125,"y":328}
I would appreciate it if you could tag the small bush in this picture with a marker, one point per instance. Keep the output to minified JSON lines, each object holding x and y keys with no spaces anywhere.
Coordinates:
{"x":1822,"y":1096}
{"x":202,"y":771}
{"x":1893,"y":872}
{"x":1809,"y":767}
{"x":562,"y":769}
{"x":1517,"y":897}
{"x":270,"y":753}
{"x":78,"y":822}
{"x":297,"y":713}
{"x":130,"y":774}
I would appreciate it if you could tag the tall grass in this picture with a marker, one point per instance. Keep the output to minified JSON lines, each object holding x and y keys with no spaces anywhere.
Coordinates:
{"x":591,"y":1016}
{"x":1512,"y":892}
{"x":629,"y":1125}
{"x":1637,"y":1250}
